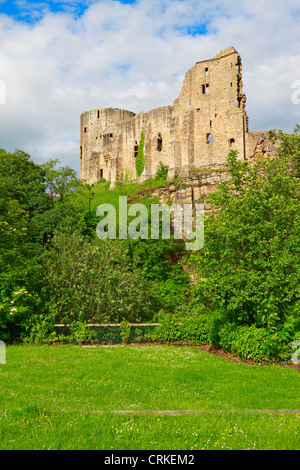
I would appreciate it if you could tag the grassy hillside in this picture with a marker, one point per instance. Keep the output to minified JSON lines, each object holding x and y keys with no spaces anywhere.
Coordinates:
{"x":104,"y":195}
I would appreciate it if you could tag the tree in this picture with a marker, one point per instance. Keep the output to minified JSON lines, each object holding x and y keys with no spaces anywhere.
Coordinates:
{"x":250,"y":264}
{"x":23,"y":180}
{"x":95,"y":281}
{"x":60,"y":181}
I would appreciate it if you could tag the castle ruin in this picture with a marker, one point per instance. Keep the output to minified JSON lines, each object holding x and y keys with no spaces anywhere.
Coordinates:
{"x":206,"y":121}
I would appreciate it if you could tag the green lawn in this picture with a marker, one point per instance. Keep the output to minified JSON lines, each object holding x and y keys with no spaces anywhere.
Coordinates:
{"x":52,"y":398}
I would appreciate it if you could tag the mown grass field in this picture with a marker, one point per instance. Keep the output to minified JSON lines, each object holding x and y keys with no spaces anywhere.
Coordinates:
{"x":68,"y":397}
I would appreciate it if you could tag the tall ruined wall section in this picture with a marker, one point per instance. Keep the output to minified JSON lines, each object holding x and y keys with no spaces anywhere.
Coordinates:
{"x":213,"y":103}
{"x":204,"y":123}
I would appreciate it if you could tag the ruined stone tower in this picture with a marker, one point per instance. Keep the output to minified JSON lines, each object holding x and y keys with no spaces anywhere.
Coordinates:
{"x":206,"y":120}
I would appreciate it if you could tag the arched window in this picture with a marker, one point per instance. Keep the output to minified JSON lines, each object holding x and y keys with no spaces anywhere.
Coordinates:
{"x":159,"y":142}
{"x":136,"y":149}
{"x":209,"y":139}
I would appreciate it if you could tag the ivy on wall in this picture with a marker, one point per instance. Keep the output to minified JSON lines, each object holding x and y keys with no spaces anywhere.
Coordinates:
{"x":140,"y":158}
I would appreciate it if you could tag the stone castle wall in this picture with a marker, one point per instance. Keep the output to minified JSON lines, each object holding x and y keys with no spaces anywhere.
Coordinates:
{"x":206,"y":120}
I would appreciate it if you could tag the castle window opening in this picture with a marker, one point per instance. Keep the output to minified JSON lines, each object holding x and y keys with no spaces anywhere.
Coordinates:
{"x":209,"y":139}
{"x":136,"y":149}
{"x":85,"y":129}
{"x":101,"y":173}
{"x":231,"y":141}
{"x":80,"y":152}
{"x":210,"y":125}
{"x":111,"y":135}
{"x":159,"y":143}
{"x":206,"y":71}
{"x":205,"y":89}
{"x":98,"y":115}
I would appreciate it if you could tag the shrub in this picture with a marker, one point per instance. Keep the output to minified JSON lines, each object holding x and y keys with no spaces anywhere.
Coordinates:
{"x":95,"y":282}
{"x":162,"y":172}
{"x":125,"y":331}
{"x":41,"y":331}
{"x":248,"y":342}
{"x":82,"y":333}
{"x":167,"y":331}
{"x":196,"y":329}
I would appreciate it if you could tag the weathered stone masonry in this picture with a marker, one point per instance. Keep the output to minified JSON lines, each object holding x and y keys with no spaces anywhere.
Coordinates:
{"x":206,"y":120}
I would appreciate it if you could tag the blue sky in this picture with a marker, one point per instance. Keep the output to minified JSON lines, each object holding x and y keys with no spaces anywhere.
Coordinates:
{"x":20,"y":10}
{"x":60,"y":58}
{"x":32,"y":10}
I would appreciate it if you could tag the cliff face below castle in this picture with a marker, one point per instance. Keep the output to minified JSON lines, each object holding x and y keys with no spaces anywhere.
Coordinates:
{"x":206,"y":121}
{"x":192,"y":189}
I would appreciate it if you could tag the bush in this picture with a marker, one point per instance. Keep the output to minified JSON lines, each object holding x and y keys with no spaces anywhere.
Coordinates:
{"x":41,"y":331}
{"x":259,"y":344}
{"x":81,"y":333}
{"x":162,"y":172}
{"x":125,"y":331}
{"x":169,"y":331}
{"x":95,"y":282}
{"x":196,"y":330}
{"x":193,"y":330}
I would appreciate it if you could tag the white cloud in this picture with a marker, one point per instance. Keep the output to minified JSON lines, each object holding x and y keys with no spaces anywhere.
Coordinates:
{"x":134,"y":56}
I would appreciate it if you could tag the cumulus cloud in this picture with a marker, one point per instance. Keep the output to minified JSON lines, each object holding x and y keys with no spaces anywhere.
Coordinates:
{"x":134,"y":56}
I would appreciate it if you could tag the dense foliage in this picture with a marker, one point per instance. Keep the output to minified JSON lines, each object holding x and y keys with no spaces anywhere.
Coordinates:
{"x":246,"y":300}
{"x":53,"y":268}
{"x":249,"y":269}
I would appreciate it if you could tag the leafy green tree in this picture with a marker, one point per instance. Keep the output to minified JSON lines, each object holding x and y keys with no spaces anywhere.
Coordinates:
{"x":95,"y":281}
{"x":249,"y":268}
{"x":19,"y":270}
{"x":60,"y":181}
{"x":23,"y":180}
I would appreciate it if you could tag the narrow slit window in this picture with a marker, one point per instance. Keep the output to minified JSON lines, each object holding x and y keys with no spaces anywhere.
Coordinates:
{"x":98,"y":114}
{"x":206,"y":71}
{"x":210,"y":125}
{"x":81,"y":152}
{"x":136,"y":149}
{"x":85,"y":129}
{"x":101,"y":173}
{"x":159,"y":143}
